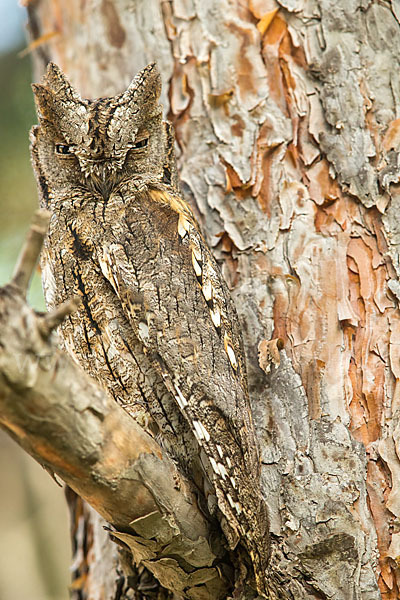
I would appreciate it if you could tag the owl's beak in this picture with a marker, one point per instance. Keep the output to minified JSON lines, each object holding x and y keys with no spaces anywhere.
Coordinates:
{"x":102,"y":178}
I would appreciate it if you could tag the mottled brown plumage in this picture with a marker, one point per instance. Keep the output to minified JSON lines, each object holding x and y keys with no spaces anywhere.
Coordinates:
{"x":157,"y":326}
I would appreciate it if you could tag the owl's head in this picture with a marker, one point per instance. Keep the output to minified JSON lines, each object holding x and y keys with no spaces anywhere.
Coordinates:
{"x":97,"y":144}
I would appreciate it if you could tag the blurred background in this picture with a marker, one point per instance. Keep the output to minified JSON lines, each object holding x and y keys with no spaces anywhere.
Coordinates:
{"x":34,"y":541}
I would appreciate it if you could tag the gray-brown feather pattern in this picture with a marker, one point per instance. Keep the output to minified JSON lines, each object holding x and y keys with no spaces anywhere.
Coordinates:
{"x":158,"y":327}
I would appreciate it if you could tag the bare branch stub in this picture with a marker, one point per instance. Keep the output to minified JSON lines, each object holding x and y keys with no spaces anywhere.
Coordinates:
{"x":29,"y":254}
{"x":54,"y":318}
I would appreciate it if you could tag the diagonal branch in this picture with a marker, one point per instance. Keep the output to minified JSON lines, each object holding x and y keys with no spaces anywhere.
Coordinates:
{"x":29,"y":254}
{"x":74,"y":429}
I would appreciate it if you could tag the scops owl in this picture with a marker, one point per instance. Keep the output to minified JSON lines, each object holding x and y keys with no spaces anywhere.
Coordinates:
{"x":157,"y":324}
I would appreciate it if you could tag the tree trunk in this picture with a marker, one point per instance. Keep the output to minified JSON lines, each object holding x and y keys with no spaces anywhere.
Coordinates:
{"x":286,"y":119}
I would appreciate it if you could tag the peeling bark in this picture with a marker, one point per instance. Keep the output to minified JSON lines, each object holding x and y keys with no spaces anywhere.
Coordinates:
{"x":286,"y":116}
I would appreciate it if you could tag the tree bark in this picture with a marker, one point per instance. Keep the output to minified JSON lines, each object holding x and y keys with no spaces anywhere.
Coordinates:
{"x":286,"y":117}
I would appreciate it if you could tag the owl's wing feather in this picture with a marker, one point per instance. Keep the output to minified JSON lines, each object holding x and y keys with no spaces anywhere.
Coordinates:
{"x":174,"y":296}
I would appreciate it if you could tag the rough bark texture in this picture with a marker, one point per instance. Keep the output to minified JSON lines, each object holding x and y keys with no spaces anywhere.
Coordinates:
{"x":286,"y":115}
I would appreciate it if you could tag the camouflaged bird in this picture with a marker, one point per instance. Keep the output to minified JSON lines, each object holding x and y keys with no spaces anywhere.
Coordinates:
{"x":157,"y":325}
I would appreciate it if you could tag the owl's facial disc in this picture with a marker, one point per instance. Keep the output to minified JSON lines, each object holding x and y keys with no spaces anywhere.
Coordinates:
{"x":100,"y":144}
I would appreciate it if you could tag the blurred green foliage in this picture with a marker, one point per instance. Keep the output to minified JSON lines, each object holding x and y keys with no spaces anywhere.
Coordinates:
{"x":18,"y":196}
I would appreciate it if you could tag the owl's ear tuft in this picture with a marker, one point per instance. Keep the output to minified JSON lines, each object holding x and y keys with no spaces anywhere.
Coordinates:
{"x":145,"y":88}
{"x":58,"y":83}
{"x":57,"y":101}
{"x":44,"y":101}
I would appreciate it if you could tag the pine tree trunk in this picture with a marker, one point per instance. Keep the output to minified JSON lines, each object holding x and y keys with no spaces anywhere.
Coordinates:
{"x":286,"y":119}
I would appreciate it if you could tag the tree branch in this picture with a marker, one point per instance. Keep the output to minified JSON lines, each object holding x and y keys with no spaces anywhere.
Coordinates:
{"x":29,"y":254}
{"x":74,"y":429}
